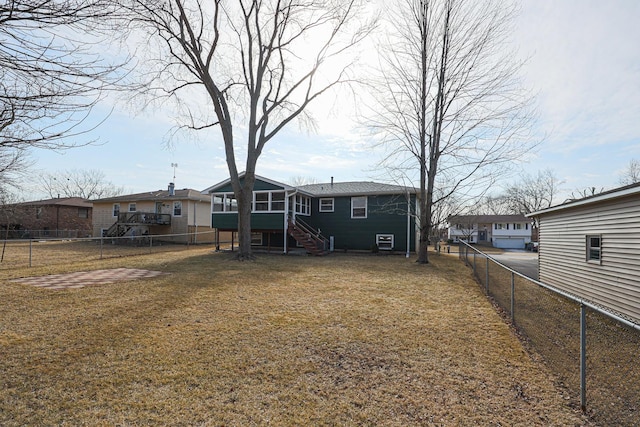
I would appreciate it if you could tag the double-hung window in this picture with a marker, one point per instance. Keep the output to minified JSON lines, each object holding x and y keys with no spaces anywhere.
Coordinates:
{"x":177,"y":208}
{"x":594,"y":248}
{"x":359,"y":207}
{"x":116,"y":209}
{"x":132,"y":207}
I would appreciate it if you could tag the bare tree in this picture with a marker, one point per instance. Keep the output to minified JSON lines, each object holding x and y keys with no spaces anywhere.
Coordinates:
{"x":449,"y":103}
{"x":260,"y":64}
{"x":50,"y":74}
{"x":631,"y":174}
{"x":532,"y":193}
{"x":88,"y":184}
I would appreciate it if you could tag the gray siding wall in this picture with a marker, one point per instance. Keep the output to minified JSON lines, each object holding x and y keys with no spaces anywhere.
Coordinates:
{"x":615,"y":282}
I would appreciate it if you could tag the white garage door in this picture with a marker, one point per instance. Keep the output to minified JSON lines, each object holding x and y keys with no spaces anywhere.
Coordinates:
{"x":509,"y":243}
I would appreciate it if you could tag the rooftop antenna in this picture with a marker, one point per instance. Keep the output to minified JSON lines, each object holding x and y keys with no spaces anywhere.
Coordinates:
{"x":174,"y":166}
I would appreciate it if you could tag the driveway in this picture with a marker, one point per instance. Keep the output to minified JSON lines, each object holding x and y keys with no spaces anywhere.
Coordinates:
{"x":523,"y":262}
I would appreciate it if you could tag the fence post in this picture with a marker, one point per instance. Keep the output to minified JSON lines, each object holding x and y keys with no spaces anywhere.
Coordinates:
{"x":513,"y":293}
{"x":583,"y":358}
{"x":150,"y":242}
{"x":101,"y":242}
{"x":474,"y":263}
{"x":30,"y":250}
{"x":487,"y":281}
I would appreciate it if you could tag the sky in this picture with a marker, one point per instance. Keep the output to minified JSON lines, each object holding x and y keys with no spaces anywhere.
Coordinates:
{"x":583,"y":63}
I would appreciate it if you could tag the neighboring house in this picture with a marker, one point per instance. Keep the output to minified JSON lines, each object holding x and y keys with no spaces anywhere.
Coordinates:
{"x":322,"y":217}
{"x":60,"y":217}
{"x":180,"y":212}
{"x":591,"y":248}
{"x":501,"y":231}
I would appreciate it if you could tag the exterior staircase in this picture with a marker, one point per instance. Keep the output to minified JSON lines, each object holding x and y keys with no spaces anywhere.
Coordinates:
{"x":131,"y":221}
{"x":311,"y":239}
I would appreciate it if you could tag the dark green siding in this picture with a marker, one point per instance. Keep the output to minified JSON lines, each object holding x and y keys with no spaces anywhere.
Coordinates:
{"x":258,"y":186}
{"x":262,"y":221}
{"x":385,"y":215}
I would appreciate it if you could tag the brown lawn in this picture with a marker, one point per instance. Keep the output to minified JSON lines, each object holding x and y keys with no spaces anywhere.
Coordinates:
{"x":339,"y":340}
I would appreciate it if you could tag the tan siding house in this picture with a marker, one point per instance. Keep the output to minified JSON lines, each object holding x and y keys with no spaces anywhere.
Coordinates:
{"x":180,"y":212}
{"x":591,"y":248}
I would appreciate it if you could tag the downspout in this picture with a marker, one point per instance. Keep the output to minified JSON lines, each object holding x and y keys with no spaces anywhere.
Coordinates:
{"x":286,"y":216}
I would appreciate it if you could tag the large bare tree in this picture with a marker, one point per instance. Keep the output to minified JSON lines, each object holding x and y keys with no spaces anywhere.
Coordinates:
{"x":85,"y":183}
{"x":450,"y":108}
{"x":257,"y":64}
{"x":532,"y":193}
{"x":51,"y":75}
{"x":631,"y":174}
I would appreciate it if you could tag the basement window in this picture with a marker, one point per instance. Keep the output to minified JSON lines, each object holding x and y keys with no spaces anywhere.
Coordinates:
{"x":594,"y":248}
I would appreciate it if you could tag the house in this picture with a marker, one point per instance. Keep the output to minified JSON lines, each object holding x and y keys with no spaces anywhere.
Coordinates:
{"x":321,"y":218}
{"x":162,"y":212}
{"x":591,"y":248}
{"x":59,"y":217}
{"x":501,"y":231}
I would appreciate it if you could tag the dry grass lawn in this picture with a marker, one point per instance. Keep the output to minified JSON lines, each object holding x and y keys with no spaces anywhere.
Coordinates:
{"x":338,"y":340}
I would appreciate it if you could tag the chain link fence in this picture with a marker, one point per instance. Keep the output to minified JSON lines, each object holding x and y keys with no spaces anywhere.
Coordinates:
{"x":593,"y":353}
{"x":19,"y":253}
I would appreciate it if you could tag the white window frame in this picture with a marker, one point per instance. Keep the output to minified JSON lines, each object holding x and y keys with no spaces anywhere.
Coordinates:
{"x":302,"y":204}
{"x":592,"y":250}
{"x":115,"y":210}
{"x":499,"y":226}
{"x":175,"y":203}
{"x":353,"y":207}
{"x":266,"y":203}
{"x":132,"y":205}
{"x":385,"y":238}
{"x":324,"y":207}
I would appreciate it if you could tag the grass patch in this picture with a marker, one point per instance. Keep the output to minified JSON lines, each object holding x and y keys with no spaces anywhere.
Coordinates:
{"x":338,"y":340}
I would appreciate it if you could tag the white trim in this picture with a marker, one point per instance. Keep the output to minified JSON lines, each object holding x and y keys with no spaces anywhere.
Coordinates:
{"x":385,"y":235}
{"x":366,"y":207}
{"x":333,"y":204}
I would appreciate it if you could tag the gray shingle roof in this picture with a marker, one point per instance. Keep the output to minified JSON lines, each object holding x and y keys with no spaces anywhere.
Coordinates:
{"x":184,"y":194}
{"x":354,"y":189}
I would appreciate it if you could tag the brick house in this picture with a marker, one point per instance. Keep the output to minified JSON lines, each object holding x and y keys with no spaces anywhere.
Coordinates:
{"x":59,"y":217}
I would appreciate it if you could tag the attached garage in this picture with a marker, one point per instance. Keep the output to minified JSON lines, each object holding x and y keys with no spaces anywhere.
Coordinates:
{"x":506,"y":243}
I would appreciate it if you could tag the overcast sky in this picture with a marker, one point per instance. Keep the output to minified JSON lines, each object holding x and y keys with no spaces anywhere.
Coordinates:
{"x":584,"y":64}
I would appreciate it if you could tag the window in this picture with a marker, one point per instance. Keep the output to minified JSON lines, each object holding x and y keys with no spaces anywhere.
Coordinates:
{"x":132,"y":207}
{"x":359,"y":207}
{"x":261,"y":202}
{"x":116,"y":209}
{"x":499,"y":226}
{"x":303,"y":205}
{"x":256,"y":238}
{"x":517,"y":226}
{"x":230,"y":203}
{"x":384,"y":241}
{"x":277,"y":201}
{"x":39,"y":213}
{"x":83,"y":212}
{"x":177,"y":208}
{"x":325,"y":205}
{"x":594,"y":248}
{"x":218,"y":203}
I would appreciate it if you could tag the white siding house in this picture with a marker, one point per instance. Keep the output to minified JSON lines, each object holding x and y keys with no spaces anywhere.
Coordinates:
{"x":591,"y":248}
{"x":501,"y":231}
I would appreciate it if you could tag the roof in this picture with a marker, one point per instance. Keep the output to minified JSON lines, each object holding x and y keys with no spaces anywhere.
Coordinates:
{"x":60,"y":201}
{"x":184,"y":194}
{"x":356,"y":188}
{"x":626,"y":191}
{"x":214,"y":187}
{"x":492,"y":219}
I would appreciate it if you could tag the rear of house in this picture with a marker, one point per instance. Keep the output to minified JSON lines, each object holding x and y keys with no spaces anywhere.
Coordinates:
{"x":361,"y":216}
{"x":183,"y":213}
{"x":591,"y":248}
